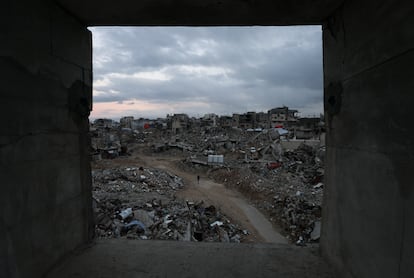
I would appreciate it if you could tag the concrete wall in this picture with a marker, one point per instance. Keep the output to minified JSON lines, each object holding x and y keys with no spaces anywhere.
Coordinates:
{"x":368,"y":216}
{"x":45,"y":67}
{"x":46,"y":79}
{"x":200,"y":12}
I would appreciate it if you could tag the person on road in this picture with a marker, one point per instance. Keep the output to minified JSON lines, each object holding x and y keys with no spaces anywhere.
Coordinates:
{"x":198,"y":179}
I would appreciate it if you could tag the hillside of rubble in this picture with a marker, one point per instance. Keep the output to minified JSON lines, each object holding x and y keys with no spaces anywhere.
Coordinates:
{"x":281,"y":177}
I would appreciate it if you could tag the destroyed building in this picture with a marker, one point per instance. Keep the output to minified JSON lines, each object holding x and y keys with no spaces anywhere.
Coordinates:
{"x":179,"y":123}
{"x":247,"y":120}
{"x":308,"y":127}
{"x":225,"y":121}
{"x":236,"y":120}
{"x":282,"y":116}
{"x":140,"y":124}
{"x":210,"y":120}
{"x":126,"y":122}
{"x":103,"y":123}
{"x":262,"y":120}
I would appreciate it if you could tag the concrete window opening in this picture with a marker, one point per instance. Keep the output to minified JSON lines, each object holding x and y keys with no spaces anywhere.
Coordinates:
{"x":200,"y":138}
{"x":46,"y":203}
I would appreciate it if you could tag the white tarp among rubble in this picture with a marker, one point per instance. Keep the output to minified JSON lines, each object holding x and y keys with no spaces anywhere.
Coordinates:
{"x":215,"y":159}
{"x":282,"y":131}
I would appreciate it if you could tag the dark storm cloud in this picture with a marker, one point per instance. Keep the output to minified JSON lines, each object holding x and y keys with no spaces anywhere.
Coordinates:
{"x":230,"y":69}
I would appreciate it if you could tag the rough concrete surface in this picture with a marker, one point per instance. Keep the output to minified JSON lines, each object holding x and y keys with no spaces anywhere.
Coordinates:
{"x":368,"y":58}
{"x":45,"y":203}
{"x":45,"y":199}
{"x":130,"y":258}
{"x":200,"y":12}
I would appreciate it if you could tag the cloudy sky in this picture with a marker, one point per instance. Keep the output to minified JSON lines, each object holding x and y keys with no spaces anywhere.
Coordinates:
{"x":154,"y":71}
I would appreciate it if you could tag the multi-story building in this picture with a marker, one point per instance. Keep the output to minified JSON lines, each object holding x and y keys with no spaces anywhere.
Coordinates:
{"x":126,"y":122}
{"x":179,"y":123}
{"x":282,"y":116}
{"x":103,"y":123}
{"x":247,"y":120}
{"x":235,"y":121}
{"x":262,"y":120}
{"x":209,"y":120}
{"x":226,"y":121}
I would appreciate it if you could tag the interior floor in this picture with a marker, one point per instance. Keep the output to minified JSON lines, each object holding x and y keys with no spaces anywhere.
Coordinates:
{"x":132,"y":258}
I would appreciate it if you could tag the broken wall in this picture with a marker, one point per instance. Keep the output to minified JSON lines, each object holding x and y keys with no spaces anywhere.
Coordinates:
{"x":45,"y":198}
{"x":369,"y":84}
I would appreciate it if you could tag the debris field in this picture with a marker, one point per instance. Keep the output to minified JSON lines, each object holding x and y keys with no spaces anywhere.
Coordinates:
{"x":140,"y":203}
{"x":281,"y":176}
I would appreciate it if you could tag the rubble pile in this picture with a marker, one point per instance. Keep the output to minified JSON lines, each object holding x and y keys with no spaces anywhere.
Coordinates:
{"x":286,"y":184}
{"x":290,"y":193}
{"x":110,"y":143}
{"x":135,"y":179}
{"x":298,"y":216}
{"x":306,"y":161}
{"x":139,"y":203}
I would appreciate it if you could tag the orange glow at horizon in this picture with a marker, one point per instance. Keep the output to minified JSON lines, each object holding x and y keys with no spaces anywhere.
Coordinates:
{"x":138,"y":108}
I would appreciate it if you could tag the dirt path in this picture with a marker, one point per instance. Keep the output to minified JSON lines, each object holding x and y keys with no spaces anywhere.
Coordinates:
{"x":231,"y":202}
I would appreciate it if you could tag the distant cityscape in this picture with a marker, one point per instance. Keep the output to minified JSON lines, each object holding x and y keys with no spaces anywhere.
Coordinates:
{"x":279,"y":117}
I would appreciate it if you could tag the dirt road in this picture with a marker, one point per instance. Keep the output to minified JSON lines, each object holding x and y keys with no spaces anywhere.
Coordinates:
{"x":230,"y":202}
